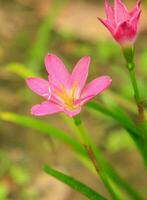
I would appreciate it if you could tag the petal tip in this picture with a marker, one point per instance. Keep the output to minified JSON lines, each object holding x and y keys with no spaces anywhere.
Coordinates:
{"x":139,"y":3}
{"x":100,"y":19}
{"x":33,"y":112}
{"x":73,"y":113}
{"x":109,"y":79}
{"x":88,"y":58}
{"x":29,"y":80}
{"x":34,"y":109}
{"x":50,"y":56}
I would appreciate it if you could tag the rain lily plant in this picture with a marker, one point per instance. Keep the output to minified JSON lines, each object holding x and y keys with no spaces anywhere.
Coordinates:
{"x":65,"y":92}
{"x":68,"y":92}
{"x":123,"y":25}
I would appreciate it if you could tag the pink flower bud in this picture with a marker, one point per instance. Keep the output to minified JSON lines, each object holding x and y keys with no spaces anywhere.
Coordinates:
{"x":122,"y":24}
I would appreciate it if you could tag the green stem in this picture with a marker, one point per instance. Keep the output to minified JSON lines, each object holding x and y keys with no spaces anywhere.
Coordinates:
{"x":134,"y":84}
{"x":103,"y":168}
{"x":90,"y":149}
{"x":139,"y":103}
{"x":110,"y":171}
{"x":129,"y":56}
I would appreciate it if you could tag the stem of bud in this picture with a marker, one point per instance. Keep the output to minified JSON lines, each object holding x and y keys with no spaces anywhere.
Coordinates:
{"x":128,"y":53}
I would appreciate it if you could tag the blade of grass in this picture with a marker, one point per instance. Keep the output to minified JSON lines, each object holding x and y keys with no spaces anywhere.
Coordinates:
{"x":122,"y":118}
{"x":74,"y":184}
{"x":125,"y":122}
{"x":21,"y":70}
{"x":43,"y":128}
{"x":40,"y":47}
{"x":114,"y":176}
{"x":97,"y":162}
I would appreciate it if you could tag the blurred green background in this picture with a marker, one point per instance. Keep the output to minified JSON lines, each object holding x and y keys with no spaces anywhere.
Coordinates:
{"x":28,"y":30}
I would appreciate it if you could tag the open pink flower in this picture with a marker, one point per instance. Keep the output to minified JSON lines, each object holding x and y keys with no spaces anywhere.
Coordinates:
{"x":122,"y":24}
{"x":65,"y":92}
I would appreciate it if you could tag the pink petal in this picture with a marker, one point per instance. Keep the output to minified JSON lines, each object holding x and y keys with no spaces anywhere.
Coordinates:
{"x":84,"y":100}
{"x":45,"y":108}
{"x":58,"y":73}
{"x":107,"y":25}
{"x":80,"y":73}
{"x":135,"y":20}
{"x":95,"y":87}
{"x":136,"y":9}
{"x":39,"y":86}
{"x":110,"y":13}
{"x":72,"y":113}
{"x":126,"y":33}
{"x":121,"y":12}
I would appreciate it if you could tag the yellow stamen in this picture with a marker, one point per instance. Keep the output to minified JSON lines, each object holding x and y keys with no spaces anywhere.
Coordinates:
{"x":60,"y":94}
{"x":67,"y":98}
{"x":65,"y":93}
{"x":73,"y":89}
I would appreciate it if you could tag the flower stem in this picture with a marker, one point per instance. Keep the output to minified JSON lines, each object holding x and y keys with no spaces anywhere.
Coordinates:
{"x":129,"y":56}
{"x":90,"y":149}
{"x":102,"y":167}
{"x":86,"y":141}
{"x":139,"y":103}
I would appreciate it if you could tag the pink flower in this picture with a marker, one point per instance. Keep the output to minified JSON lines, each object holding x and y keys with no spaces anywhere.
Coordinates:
{"x":65,"y":92}
{"x":122,"y":24}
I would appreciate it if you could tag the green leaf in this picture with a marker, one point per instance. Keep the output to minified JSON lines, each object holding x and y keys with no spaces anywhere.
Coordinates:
{"x":43,"y":38}
{"x":43,"y":127}
{"x":116,"y":113}
{"x":21,"y":70}
{"x":76,"y":185}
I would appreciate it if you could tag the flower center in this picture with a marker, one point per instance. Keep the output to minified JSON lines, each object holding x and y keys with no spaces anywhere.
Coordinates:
{"x":66,"y":97}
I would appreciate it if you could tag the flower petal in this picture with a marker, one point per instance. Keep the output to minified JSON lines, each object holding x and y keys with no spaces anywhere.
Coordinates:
{"x":95,"y":87}
{"x":126,"y":33}
{"x":135,"y":20}
{"x":136,"y":8}
{"x":121,"y":12}
{"x":39,"y":86}
{"x":45,"y":108}
{"x":110,"y":13}
{"x":79,"y":74}
{"x":83,"y":101}
{"x":72,"y":113}
{"x":107,"y":25}
{"x":58,"y":73}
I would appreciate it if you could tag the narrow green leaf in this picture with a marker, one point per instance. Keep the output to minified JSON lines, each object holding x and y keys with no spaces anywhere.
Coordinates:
{"x":105,"y":167}
{"x":73,"y":183}
{"x":40,"y":46}
{"x":43,"y":128}
{"x":21,"y":70}
{"x":117,"y":114}
{"x":122,"y":118}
